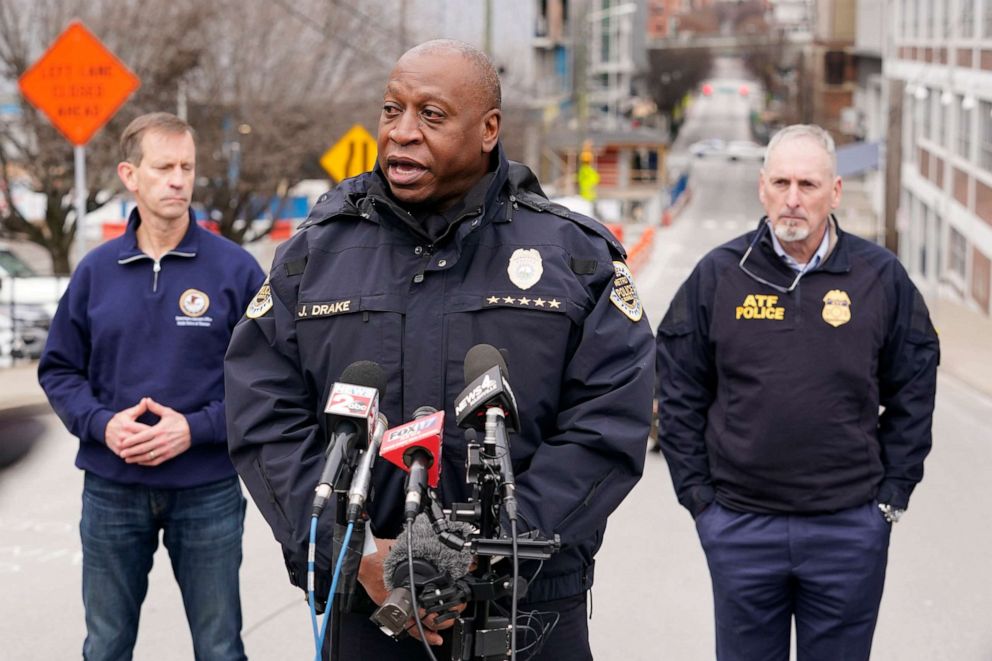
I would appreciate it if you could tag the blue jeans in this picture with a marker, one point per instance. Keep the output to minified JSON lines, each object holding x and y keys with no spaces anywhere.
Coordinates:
{"x":825,"y":570}
{"x":202,"y":531}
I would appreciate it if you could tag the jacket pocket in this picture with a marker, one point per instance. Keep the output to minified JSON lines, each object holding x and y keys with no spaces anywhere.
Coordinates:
{"x":336,"y":333}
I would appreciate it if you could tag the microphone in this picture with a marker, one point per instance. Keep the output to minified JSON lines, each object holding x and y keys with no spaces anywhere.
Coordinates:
{"x":486,"y":375}
{"x":488,"y":404}
{"x":416,"y":448}
{"x":363,"y":474}
{"x":436,"y":568}
{"x":351,"y":411}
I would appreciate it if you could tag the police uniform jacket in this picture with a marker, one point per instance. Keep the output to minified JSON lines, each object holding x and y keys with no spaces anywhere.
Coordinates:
{"x":517,"y":272}
{"x":769,"y":401}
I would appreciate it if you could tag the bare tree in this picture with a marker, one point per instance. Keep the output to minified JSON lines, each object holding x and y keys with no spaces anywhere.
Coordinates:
{"x":269,"y":85}
{"x":267,"y":110}
{"x":31,"y":148}
{"x":673,"y":72}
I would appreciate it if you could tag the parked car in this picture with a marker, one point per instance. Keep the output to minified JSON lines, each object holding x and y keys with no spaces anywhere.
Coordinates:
{"x":22,"y":285}
{"x":23,"y":335}
{"x":744,"y":150}
{"x":706,"y":147}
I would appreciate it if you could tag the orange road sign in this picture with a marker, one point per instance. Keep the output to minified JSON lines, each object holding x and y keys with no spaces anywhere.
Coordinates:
{"x":78,"y":84}
{"x":353,"y":154}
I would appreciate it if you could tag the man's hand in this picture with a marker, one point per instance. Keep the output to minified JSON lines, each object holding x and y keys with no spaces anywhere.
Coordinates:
{"x":370,"y":571}
{"x":162,"y":441}
{"x":123,"y":425}
{"x":431,"y":627}
{"x":370,"y":576}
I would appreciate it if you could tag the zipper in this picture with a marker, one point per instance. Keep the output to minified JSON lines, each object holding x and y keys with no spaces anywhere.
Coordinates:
{"x":156,"y":267}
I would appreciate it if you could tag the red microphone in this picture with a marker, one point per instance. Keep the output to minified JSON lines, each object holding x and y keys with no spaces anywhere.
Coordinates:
{"x":416,"y":448}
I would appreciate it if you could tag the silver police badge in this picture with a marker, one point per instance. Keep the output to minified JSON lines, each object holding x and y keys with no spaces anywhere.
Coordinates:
{"x":525,"y":268}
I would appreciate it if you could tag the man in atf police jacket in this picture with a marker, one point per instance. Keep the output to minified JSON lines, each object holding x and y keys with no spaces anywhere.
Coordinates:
{"x":773,"y":361}
{"x":444,"y":246}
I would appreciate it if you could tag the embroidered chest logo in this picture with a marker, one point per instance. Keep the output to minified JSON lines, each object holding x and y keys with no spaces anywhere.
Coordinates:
{"x":525,"y":268}
{"x":760,"y":306}
{"x":262,"y":302}
{"x":624,"y":294}
{"x":836,"y":307}
{"x":194,"y":303}
{"x":329,"y":309}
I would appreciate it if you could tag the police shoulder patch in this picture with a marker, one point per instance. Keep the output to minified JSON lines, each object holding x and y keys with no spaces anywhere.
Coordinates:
{"x":262,"y":302}
{"x":624,"y":294}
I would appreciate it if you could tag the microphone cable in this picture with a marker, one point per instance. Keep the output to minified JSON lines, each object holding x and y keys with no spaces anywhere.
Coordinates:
{"x":319,"y":637}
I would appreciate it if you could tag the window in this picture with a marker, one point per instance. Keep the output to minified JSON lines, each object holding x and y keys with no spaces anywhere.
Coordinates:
{"x":834,"y":62}
{"x":985,"y":146}
{"x":920,"y":222}
{"x":957,"y":253}
{"x":987,"y":20}
{"x":966,"y":19}
{"x":964,"y":128}
{"x":14,"y":265}
{"x":909,"y":130}
{"x":937,"y":125}
{"x":926,"y":126}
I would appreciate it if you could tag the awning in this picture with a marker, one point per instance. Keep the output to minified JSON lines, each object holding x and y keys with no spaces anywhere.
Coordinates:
{"x":856,"y":158}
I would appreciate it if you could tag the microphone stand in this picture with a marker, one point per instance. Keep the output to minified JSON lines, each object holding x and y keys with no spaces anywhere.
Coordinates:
{"x":340,"y":521}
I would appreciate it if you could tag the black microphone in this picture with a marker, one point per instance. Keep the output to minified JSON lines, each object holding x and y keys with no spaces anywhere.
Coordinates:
{"x":488,"y":404}
{"x":436,"y":568}
{"x":351,"y":412}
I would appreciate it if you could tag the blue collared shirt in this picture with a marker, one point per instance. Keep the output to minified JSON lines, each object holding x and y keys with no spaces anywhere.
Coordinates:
{"x":818,"y":256}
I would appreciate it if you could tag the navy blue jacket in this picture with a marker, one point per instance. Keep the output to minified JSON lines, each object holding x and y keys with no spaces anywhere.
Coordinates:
{"x":769,"y":401}
{"x":128,"y":327}
{"x":581,"y":368}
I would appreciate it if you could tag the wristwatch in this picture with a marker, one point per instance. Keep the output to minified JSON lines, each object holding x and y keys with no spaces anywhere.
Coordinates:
{"x":890,"y":513}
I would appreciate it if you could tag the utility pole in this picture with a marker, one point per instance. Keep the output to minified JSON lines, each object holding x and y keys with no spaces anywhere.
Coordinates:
{"x":487,"y":38}
{"x":580,"y":24}
{"x":402,"y":26}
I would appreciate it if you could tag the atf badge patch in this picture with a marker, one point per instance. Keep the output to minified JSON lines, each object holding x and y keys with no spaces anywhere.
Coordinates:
{"x":262,"y":302}
{"x":836,"y":307}
{"x":194,"y":303}
{"x":525,"y":268}
{"x":624,"y":294}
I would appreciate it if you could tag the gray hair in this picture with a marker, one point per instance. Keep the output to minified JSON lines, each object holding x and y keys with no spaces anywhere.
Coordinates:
{"x":808,"y":131}
{"x":489,"y":92}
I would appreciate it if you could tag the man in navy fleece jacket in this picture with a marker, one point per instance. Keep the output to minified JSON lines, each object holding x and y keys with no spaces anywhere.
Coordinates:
{"x":134,"y":368}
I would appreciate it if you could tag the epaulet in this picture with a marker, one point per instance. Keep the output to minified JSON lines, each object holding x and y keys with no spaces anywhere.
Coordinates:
{"x":341,"y":201}
{"x":536,"y":202}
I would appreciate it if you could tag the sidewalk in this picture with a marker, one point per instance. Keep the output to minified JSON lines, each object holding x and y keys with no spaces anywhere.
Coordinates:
{"x":19,"y":389}
{"x":965,"y":343}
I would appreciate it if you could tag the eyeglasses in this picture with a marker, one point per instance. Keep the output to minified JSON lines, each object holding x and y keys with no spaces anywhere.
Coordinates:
{"x":779,"y":288}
